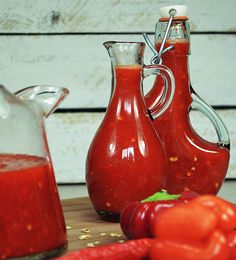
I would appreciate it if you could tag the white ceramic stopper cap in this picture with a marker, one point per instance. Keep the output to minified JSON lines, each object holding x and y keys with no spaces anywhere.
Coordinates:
{"x":181,"y":10}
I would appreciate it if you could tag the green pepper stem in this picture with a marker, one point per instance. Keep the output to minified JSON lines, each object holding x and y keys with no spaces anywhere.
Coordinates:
{"x":161,"y":195}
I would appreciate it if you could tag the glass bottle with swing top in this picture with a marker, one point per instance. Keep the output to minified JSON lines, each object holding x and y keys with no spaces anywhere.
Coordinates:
{"x":193,"y":162}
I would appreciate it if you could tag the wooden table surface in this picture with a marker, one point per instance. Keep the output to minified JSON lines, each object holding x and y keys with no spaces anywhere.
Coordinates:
{"x":85,"y":228}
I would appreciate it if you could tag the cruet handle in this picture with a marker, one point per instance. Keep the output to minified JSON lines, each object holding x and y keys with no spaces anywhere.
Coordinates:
{"x":160,"y":106}
{"x":47,"y":97}
{"x":200,"y":105}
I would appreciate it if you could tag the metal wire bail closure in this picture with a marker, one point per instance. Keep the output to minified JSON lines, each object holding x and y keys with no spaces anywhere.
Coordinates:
{"x":156,"y":59}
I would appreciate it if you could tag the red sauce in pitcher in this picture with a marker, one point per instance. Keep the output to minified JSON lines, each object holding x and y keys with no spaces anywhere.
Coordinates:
{"x":31,"y":219}
{"x":193,"y":163}
{"x":125,"y":161}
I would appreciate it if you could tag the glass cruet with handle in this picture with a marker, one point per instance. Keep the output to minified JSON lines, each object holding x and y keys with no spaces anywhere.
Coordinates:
{"x":193,"y":162}
{"x":126,"y":161}
{"x":31,"y":217}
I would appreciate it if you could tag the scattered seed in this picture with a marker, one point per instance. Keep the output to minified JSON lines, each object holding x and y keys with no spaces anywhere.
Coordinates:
{"x":85,"y":230}
{"x":90,"y":244}
{"x":189,"y":174}
{"x":173,"y":159}
{"x":133,"y":140}
{"x":103,"y":234}
{"x":97,"y":242}
{"x":68,"y":227}
{"x":115,"y":235}
{"x":84,"y":237}
{"x":195,"y":158}
{"x":121,"y":241}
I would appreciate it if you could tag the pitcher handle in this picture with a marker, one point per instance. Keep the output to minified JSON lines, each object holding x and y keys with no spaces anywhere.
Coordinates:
{"x":160,"y":106}
{"x":200,"y":105}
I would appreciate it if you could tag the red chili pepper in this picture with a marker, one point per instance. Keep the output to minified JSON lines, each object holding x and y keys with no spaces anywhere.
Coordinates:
{"x":137,"y":218}
{"x":215,"y":248}
{"x":130,"y":250}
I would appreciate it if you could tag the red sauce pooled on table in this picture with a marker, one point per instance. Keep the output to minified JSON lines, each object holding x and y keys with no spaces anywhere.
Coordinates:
{"x":193,"y":163}
{"x":125,"y":161}
{"x":31,"y":219}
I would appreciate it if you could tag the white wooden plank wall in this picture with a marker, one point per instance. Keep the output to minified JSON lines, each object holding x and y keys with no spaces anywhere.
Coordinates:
{"x":60,"y":43}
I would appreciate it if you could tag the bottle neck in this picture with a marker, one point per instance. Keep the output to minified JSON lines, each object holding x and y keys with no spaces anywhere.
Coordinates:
{"x":179,"y":30}
{"x":127,"y":97}
{"x":176,"y":59}
{"x":126,"y":62}
{"x":178,"y":36}
{"x":127,"y":79}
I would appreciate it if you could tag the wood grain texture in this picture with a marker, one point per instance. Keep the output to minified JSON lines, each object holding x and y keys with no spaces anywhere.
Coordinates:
{"x":28,"y":16}
{"x":69,"y":137}
{"x":81,"y":64}
{"x":79,"y":215}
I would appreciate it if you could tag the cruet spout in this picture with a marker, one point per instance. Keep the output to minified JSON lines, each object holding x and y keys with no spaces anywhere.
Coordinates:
{"x":47,"y":97}
{"x":125,"y":53}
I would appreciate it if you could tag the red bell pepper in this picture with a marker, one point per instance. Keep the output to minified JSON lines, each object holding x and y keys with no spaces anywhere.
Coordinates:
{"x":130,"y":250}
{"x":189,"y":222}
{"x":195,"y":220}
{"x":225,"y":211}
{"x":202,"y":229}
{"x":214,"y":248}
{"x":136,"y":218}
{"x":231,"y":238}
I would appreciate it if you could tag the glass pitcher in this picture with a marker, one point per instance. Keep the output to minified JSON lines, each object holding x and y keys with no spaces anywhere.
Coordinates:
{"x":125,"y":161}
{"x":193,"y":162}
{"x":31,"y":218}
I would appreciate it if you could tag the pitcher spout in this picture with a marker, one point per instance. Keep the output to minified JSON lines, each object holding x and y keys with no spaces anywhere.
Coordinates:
{"x":125,"y":53}
{"x":47,"y":97}
{"x":4,"y":105}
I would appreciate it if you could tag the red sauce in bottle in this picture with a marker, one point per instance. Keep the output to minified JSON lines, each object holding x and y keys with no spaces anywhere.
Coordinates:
{"x":125,"y":161}
{"x":193,"y":163}
{"x":31,"y":219}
